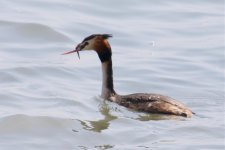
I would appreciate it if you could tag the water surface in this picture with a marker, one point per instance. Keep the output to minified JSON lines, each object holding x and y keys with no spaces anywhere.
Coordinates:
{"x":49,"y":101}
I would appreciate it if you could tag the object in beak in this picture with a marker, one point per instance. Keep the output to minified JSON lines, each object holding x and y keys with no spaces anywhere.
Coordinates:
{"x":73,"y":51}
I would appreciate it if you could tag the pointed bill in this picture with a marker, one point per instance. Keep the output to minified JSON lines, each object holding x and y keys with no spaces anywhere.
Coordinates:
{"x":73,"y":51}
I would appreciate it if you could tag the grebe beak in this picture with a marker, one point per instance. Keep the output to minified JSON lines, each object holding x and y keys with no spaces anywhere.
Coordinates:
{"x":73,"y":51}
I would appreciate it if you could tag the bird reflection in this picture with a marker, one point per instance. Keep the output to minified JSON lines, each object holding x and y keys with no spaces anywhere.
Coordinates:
{"x":158,"y":117}
{"x":102,"y":124}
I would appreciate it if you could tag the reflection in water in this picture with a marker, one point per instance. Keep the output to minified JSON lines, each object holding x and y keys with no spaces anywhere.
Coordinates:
{"x":102,"y":124}
{"x":101,"y":147}
{"x":148,"y":117}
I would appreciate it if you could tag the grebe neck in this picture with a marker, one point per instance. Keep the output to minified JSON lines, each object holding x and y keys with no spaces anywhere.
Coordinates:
{"x":107,"y":79}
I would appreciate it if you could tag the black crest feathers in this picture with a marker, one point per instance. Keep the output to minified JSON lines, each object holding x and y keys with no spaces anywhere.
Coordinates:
{"x":105,"y":36}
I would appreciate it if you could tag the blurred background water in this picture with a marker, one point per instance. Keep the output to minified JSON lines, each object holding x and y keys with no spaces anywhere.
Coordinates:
{"x":49,"y":101}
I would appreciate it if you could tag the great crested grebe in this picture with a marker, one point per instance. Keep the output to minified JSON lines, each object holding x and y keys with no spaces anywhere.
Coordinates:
{"x":145,"y":102}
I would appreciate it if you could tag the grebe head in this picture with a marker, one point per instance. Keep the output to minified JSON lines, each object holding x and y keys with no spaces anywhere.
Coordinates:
{"x":96,"y":42}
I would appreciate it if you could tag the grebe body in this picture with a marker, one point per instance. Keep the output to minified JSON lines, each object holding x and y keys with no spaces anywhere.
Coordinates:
{"x":145,"y":102}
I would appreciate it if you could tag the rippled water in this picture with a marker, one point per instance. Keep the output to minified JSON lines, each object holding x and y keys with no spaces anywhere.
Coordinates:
{"x":49,"y":101}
